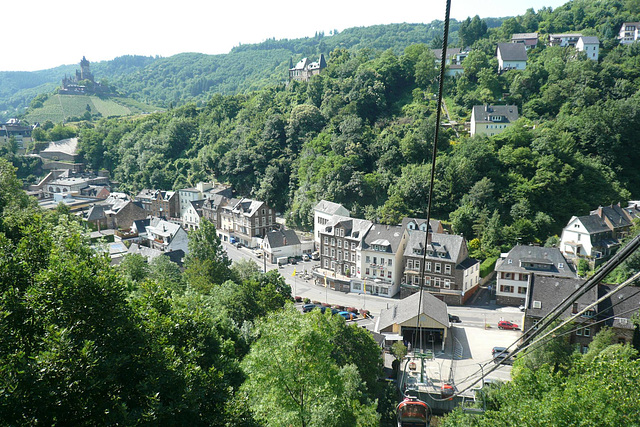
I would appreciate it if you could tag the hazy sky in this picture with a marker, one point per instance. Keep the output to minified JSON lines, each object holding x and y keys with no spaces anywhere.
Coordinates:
{"x":41,"y":34}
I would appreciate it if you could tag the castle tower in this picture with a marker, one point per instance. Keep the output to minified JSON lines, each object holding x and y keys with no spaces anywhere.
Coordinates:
{"x":85,"y":71}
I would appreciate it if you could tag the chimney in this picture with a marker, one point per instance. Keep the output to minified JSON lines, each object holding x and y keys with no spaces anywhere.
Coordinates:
{"x":599,"y":211}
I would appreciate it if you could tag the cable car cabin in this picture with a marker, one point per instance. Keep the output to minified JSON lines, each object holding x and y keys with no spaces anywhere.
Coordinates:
{"x":446,"y":391}
{"x":412,"y":412}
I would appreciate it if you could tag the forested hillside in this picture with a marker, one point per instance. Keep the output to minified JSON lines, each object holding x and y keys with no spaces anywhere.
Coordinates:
{"x":361,"y":133}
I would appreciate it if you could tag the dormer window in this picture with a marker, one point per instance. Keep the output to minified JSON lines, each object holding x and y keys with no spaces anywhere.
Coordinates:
{"x":509,"y":261}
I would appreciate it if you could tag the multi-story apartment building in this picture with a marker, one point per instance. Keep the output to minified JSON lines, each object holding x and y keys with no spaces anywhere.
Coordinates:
{"x":514,"y":270}
{"x":449,"y":273}
{"x":340,"y":240}
{"x":159,"y":203}
{"x":212,"y":207}
{"x":202,"y":190}
{"x":380,"y":261}
{"x":322,"y":214}
{"x":246,"y":221}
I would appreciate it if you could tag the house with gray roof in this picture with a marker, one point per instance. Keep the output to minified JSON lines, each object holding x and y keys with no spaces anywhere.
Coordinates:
{"x":281,"y":243}
{"x":511,"y":56}
{"x":417,"y":320}
{"x":166,"y":236}
{"x":340,"y":240}
{"x":615,"y":311}
{"x":564,"y":39}
{"x":515,"y":269}
{"x":545,"y":292}
{"x":455,"y":56}
{"x":529,"y":40}
{"x":590,"y":45}
{"x":322,"y":213}
{"x":421,"y":224}
{"x":380,"y":256}
{"x":491,"y":120}
{"x":597,"y":235}
{"x":449,"y":273}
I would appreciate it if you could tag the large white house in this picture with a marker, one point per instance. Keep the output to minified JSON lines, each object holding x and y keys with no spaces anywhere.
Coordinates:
{"x":511,"y":56}
{"x":598,"y":234}
{"x":629,"y":32}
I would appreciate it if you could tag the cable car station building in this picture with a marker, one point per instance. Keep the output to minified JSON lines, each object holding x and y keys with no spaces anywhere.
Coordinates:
{"x":431,"y":321}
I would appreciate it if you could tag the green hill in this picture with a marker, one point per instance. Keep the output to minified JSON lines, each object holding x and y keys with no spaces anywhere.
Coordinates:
{"x":58,"y":108}
{"x":195,"y":77}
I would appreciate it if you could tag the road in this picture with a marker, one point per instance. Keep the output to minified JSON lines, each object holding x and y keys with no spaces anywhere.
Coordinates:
{"x":476,"y":335}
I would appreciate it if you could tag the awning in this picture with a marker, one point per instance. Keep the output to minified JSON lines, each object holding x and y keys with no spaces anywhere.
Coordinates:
{"x":393,"y":337}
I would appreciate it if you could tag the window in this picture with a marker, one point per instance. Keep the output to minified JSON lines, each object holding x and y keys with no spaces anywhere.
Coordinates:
{"x":579,"y":332}
{"x":388,"y":274}
{"x":366,"y":271}
{"x":416,"y":264}
{"x":353,"y":246}
{"x":367,"y":259}
{"x":356,"y":286}
{"x":436,"y":282}
{"x":389,"y":262}
{"x":447,"y":269}
{"x":438,"y":267}
{"x":326,"y":263}
{"x":353,"y":257}
{"x":339,"y":255}
{"x":560,"y":265}
{"x":333,"y":241}
{"x":506,"y":289}
{"x":447,"y":284}
{"x":509,"y":261}
{"x":326,"y":240}
{"x":339,"y":243}
{"x":375,"y":260}
{"x":522,"y":290}
{"x":587,"y":332}
{"x":326,"y":251}
{"x":416,"y":280}
{"x":428,"y":266}
{"x":410,"y":264}
{"x":333,"y":253}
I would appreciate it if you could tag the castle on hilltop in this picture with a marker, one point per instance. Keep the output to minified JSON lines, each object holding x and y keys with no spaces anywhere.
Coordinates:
{"x":83,"y":82}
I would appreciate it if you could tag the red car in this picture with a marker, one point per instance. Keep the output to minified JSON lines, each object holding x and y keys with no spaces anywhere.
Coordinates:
{"x":505,"y":324}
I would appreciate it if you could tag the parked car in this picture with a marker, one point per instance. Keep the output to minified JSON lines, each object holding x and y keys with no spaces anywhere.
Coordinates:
{"x":454,"y":319}
{"x":348,"y":315}
{"x":498,"y":350}
{"x":502,"y":357}
{"x":308,"y":307}
{"x":292,"y":260}
{"x":505,"y":324}
{"x":305,"y":257}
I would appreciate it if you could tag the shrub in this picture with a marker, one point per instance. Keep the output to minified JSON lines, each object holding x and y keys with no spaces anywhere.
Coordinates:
{"x":487,"y":266}
{"x":298,"y":299}
{"x":307,"y":300}
{"x":316,"y":302}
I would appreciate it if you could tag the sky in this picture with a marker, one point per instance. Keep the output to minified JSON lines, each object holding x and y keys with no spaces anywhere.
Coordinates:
{"x":42,"y":34}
